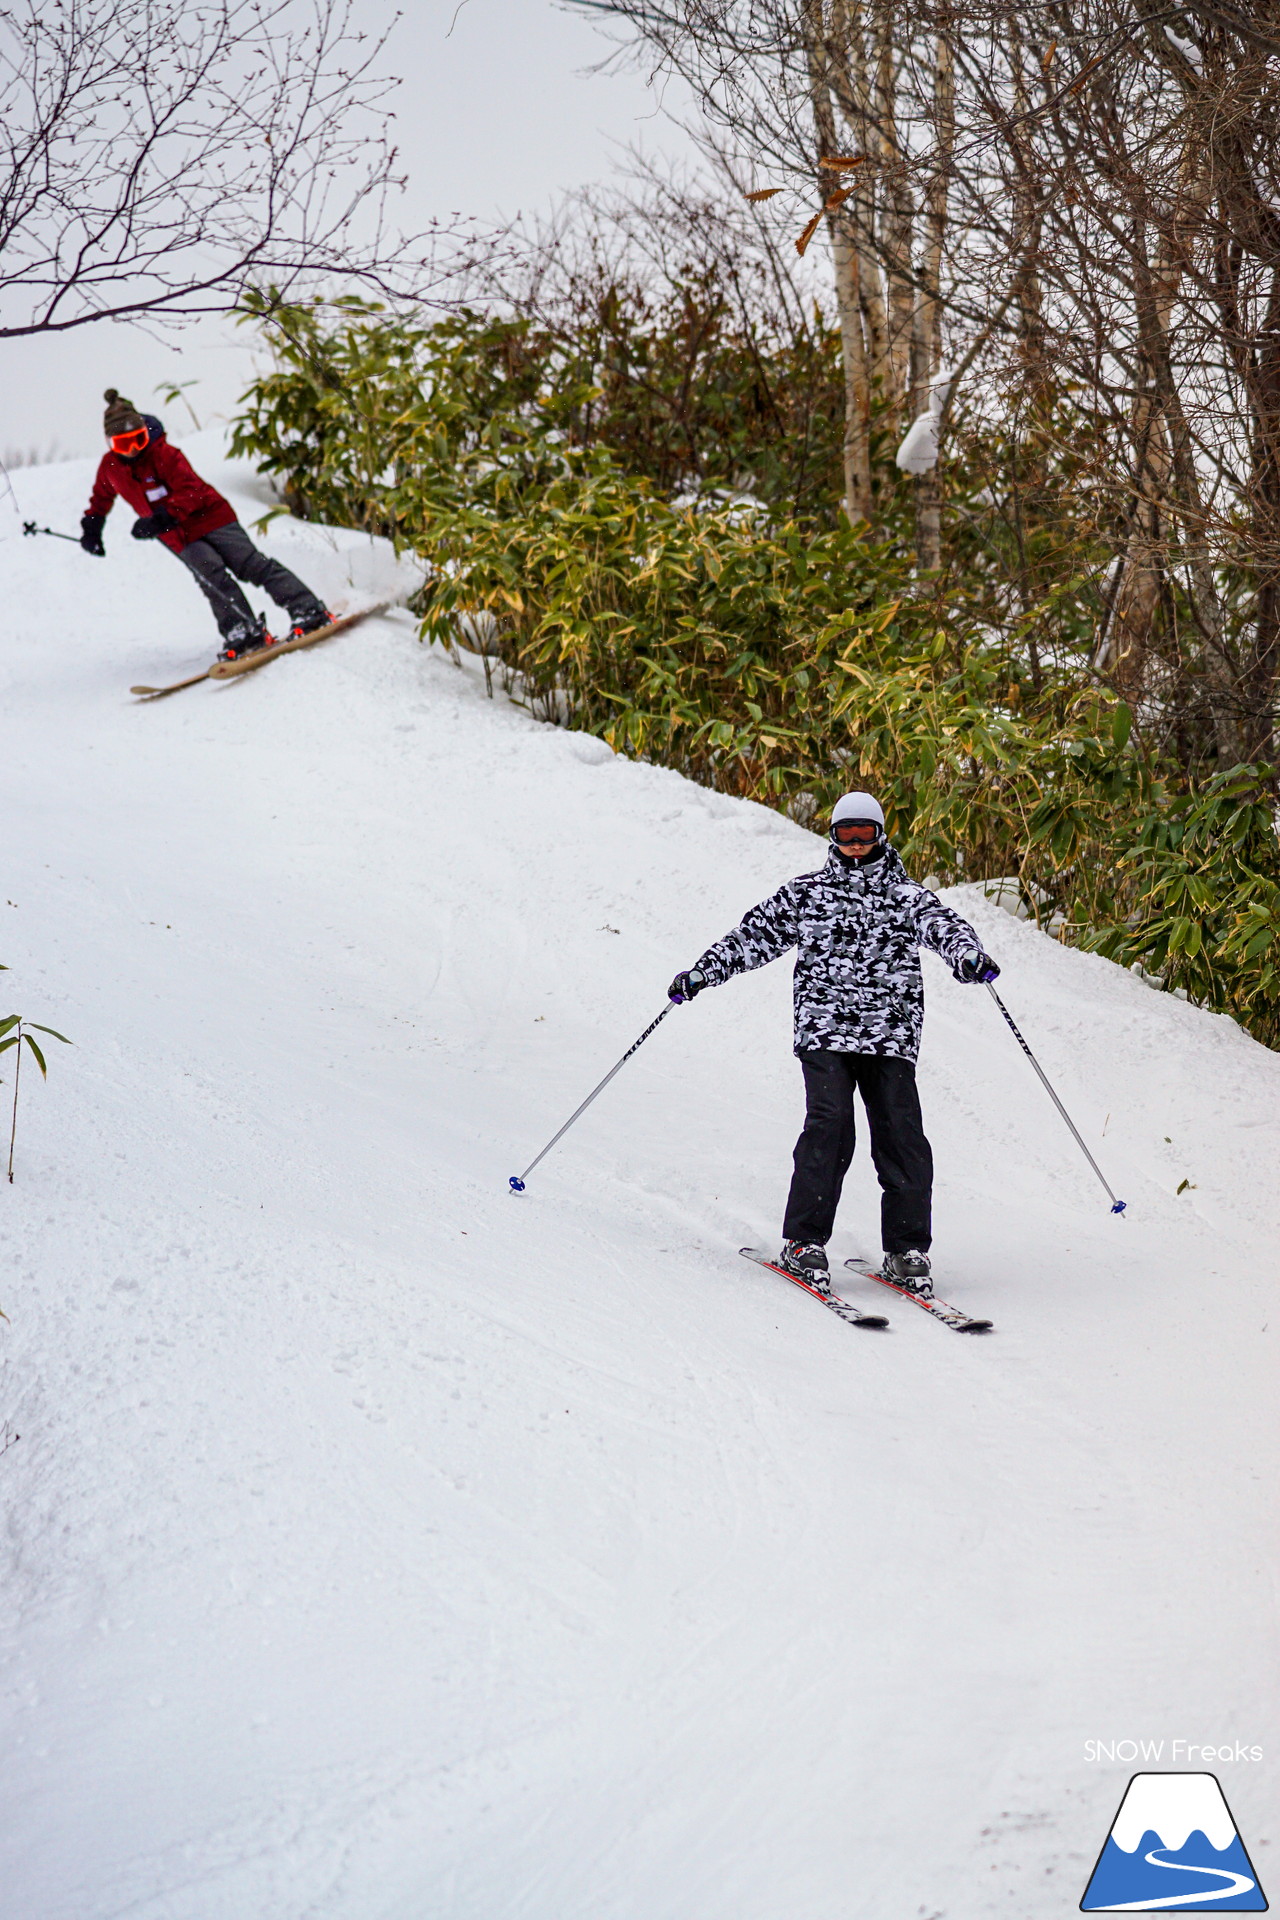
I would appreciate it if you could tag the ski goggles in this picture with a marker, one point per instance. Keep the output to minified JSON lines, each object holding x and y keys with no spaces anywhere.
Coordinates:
{"x":132,"y":442}
{"x":857,"y":836}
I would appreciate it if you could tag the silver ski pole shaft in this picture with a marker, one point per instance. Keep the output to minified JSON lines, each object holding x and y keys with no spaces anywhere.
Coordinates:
{"x":518,"y":1179}
{"x":1117,"y":1206}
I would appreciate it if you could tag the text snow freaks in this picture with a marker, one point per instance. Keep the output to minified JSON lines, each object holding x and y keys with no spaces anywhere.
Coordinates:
{"x":1176,"y":1750}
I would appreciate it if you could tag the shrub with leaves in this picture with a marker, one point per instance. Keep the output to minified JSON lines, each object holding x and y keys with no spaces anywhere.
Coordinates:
{"x":788,"y":656}
{"x":682,"y":393}
{"x":1203,"y":873}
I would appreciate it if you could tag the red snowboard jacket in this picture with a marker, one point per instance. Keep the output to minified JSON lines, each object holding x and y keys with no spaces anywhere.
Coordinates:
{"x":160,"y":476}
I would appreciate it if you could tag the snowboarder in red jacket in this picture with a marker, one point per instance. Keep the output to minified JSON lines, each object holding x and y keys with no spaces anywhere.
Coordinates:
{"x":187,"y":515}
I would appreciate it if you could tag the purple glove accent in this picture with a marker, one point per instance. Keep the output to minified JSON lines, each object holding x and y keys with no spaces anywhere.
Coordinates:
{"x":977,"y":970}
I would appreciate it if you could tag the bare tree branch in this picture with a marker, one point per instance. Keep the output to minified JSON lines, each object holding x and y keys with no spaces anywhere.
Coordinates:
{"x":160,"y":160}
{"x":1089,"y":206}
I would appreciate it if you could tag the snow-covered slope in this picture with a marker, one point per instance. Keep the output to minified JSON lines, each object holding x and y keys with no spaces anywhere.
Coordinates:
{"x":379,"y":1546}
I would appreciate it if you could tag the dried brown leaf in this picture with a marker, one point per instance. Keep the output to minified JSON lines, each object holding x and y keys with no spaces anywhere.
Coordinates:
{"x":764,"y":193}
{"x":1084,"y":73}
{"x":842,"y":162}
{"x":808,"y":233}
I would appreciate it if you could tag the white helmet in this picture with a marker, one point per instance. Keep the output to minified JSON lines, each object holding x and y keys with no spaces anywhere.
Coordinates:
{"x":857,"y":806}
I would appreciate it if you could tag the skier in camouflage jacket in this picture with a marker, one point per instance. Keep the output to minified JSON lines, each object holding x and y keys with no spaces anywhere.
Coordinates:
{"x":857,"y":926}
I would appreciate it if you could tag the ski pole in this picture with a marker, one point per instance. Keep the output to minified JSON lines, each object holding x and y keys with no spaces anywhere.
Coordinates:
{"x":29,"y":526}
{"x":1117,"y":1206}
{"x":518,"y":1179}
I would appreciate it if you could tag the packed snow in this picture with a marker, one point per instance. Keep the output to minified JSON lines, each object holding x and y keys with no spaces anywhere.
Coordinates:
{"x":380,"y":1545}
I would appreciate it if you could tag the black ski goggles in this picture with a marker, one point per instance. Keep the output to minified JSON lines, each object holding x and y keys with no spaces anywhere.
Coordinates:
{"x":857,"y":836}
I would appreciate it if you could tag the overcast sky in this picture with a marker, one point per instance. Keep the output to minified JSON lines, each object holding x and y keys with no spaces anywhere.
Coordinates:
{"x":498,"y":112}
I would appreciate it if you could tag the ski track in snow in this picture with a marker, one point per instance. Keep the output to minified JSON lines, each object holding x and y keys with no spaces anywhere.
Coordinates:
{"x":379,"y":1545}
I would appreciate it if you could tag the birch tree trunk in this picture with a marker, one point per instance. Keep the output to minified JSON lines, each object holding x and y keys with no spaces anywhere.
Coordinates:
{"x":848,"y":45}
{"x":1028,"y":290}
{"x":856,"y":449}
{"x":1185,"y":504}
{"x":929,"y":304}
{"x":1169,"y":502}
{"x":897,"y":216}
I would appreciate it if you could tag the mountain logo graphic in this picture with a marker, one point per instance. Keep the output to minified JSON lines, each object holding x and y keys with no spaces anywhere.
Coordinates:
{"x":1173,"y":1847}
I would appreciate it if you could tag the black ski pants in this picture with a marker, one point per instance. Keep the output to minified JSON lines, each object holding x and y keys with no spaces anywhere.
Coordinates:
{"x":899,"y":1150}
{"x":227,"y":554}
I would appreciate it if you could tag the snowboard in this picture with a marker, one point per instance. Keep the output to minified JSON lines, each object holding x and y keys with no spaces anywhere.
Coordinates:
{"x":227,"y":669}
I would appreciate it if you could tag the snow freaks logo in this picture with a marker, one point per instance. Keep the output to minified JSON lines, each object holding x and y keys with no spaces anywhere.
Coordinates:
{"x":1173,"y":1844}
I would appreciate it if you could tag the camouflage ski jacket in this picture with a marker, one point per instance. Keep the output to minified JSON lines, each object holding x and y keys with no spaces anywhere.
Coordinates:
{"x":857,"y":931}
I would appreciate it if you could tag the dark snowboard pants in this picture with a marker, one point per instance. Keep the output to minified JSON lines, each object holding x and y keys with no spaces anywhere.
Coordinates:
{"x":899,"y":1149}
{"x":228,"y":553}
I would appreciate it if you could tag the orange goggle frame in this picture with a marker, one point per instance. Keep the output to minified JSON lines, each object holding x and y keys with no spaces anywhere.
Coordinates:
{"x":132,"y":442}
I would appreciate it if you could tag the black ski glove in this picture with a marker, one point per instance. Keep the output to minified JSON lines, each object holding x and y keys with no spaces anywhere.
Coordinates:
{"x":91,"y":525}
{"x":976,"y":969}
{"x":686,"y":985}
{"x":153,"y":524}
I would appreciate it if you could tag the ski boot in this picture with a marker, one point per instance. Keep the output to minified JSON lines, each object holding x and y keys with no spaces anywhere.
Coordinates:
{"x":808,"y":1262}
{"x":910,"y":1271}
{"x":309,"y":622}
{"x":244,"y":639}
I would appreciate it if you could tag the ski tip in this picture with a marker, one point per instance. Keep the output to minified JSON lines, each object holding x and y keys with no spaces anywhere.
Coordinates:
{"x":876,"y":1321}
{"x":976,"y":1326}
{"x":516,"y":1184}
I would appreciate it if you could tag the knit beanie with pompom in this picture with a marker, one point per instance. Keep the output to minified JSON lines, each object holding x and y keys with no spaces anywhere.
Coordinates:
{"x":121,"y":416}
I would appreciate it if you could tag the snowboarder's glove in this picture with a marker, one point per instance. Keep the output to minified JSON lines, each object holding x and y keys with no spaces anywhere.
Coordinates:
{"x":976,"y":969}
{"x":91,"y":534}
{"x":685,"y":985}
{"x":154,"y":523}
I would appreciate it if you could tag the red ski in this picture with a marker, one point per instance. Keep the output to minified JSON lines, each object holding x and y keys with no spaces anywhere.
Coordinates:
{"x":949,"y":1316}
{"x":844,"y":1308}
